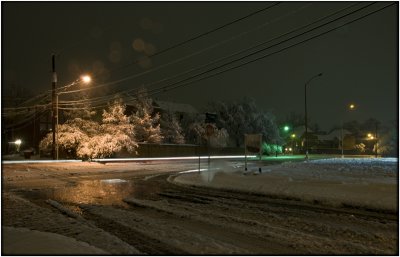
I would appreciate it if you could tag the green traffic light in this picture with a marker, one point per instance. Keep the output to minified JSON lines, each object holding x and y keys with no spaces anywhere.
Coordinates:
{"x":286,"y":128}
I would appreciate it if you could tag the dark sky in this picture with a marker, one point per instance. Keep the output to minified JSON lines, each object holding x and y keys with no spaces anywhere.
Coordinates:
{"x":359,"y":61}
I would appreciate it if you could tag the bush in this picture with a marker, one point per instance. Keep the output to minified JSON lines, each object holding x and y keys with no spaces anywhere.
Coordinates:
{"x":270,"y":149}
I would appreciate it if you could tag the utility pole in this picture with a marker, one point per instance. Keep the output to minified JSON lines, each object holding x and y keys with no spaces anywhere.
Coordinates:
{"x":53,"y":106}
{"x":305,"y":120}
{"x":376,"y":138}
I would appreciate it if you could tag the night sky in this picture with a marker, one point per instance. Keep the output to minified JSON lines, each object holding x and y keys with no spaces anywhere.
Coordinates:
{"x":359,"y":61}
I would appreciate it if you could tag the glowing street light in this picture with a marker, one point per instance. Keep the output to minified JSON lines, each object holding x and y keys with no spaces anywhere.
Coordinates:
{"x":18,"y":143}
{"x":286,"y":128}
{"x":351,"y":107}
{"x":86,"y":79}
{"x":293,"y":135}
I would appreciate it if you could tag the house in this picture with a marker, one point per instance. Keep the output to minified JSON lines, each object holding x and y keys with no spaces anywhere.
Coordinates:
{"x":179,"y":109}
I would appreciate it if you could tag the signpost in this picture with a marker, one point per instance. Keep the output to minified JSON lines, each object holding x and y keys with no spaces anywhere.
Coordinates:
{"x":252,"y":144}
{"x":209,"y":133}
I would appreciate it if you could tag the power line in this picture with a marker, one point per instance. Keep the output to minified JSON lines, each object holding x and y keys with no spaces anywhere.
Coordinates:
{"x":165,"y":88}
{"x":200,"y":35}
{"x":264,"y":56}
{"x":237,"y":53}
{"x":181,"y":43}
{"x":185,"y":57}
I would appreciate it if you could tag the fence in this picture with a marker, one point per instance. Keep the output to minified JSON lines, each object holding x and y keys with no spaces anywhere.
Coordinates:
{"x":172,"y":150}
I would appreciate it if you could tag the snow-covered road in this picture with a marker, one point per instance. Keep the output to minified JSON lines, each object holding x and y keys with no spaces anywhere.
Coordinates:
{"x":134,"y":208}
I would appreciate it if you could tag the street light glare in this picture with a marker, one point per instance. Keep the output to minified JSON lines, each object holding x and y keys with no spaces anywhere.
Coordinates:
{"x":18,"y":141}
{"x":86,"y":79}
{"x":352,"y":106}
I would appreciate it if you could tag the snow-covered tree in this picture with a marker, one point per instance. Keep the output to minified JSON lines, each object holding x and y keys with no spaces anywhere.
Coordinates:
{"x":243,"y":117}
{"x":70,"y":135}
{"x":146,"y":126}
{"x":171,"y":129}
{"x":265,"y":124}
{"x":80,"y":109}
{"x":88,"y":139}
{"x":116,"y":134}
{"x":219,"y":137}
{"x":191,"y":134}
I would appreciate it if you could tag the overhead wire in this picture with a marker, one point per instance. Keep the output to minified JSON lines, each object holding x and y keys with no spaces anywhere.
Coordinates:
{"x":267,"y":55}
{"x":201,"y":35}
{"x":48,"y":92}
{"x":187,"y":56}
{"x":234,"y":54}
{"x":164,"y":88}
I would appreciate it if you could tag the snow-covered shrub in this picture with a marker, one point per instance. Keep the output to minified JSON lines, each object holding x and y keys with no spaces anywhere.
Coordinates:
{"x":270,"y":149}
{"x":360,"y":147}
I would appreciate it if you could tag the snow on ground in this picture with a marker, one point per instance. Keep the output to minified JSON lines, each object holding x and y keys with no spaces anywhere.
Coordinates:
{"x":359,"y":182}
{"x":23,"y":241}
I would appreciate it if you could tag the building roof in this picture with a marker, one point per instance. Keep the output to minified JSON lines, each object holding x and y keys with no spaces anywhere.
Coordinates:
{"x":337,"y":133}
{"x":174,"y":107}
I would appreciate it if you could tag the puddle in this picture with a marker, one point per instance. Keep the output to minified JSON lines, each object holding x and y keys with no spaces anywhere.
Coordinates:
{"x":102,"y":192}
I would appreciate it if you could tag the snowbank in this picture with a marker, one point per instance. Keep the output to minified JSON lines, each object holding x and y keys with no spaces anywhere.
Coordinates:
{"x":362,"y":182}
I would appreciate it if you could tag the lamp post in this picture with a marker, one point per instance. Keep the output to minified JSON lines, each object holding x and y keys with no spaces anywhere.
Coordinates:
{"x":85,"y":79}
{"x":305,"y":111}
{"x":53,"y":106}
{"x":351,"y":108}
{"x":376,"y":138}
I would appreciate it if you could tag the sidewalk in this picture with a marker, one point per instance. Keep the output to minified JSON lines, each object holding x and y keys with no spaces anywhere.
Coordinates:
{"x":23,"y":241}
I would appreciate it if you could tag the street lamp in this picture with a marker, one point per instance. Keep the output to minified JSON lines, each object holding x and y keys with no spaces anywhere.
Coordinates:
{"x":286,"y":128}
{"x":18,"y":143}
{"x":305,"y":110}
{"x":86,"y":79}
{"x":293,"y":136}
{"x":352,"y":107}
{"x":370,"y":136}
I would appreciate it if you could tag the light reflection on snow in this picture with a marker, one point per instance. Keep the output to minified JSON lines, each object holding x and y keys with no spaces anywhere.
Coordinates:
{"x":356,"y":160}
{"x":174,"y":158}
{"x":112,"y":181}
{"x":39,"y":161}
{"x":197,"y":170}
{"x":105,"y":192}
